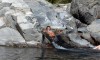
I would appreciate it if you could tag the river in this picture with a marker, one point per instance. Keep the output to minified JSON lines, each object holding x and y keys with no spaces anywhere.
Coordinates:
{"x":9,"y":53}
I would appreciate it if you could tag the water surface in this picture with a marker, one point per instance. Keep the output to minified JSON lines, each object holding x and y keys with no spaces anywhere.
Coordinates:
{"x":8,"y":53}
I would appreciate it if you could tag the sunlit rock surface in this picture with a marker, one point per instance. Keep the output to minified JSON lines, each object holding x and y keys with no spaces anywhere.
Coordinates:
{"x":78,"y":41}
{"x":26,"y":18}
{"x":16,"y":15}
{"x":1,"y":22}
{"x":94,"y":28}
{"x":9,"y":35}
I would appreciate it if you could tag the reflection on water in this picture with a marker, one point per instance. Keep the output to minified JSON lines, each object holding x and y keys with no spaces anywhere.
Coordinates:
{"x":7,"y":53}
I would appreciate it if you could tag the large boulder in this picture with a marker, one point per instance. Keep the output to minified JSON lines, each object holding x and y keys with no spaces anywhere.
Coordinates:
{"x":10,"y":36}
{"x":17,"y":17}
{"x":25,"y":21}
{"x":77,"y":41}
{"x":94,"y":28}
{"x":85,"y":34}
{"x":85,"y":10}
{"x":28,"y":29}
{"x":45,"y":14}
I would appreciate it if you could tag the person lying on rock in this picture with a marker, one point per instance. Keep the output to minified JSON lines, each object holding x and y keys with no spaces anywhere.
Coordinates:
{"x":54,"y":37}
{"x":59,"y":39}
{"x":50,"y":32}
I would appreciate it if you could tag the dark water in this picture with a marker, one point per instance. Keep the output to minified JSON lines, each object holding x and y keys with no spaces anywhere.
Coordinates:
{"x":8,"y":53}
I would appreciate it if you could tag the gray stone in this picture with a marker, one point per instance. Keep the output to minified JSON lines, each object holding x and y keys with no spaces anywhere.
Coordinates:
{"x":45,"y":14}
{"x":85,"y":10}
{"x":2,"y":5}
{"x":95,"y":26}
{"x":70,"y":23}
{"x":79,"y":24}
{"x":25,"y":20}
{"x":27,"y":29}
{"x":3,"y":11}
{"x":82,"y":30}
{"x":88,"y":37}
{"x":9,"y":21}
{"x":96,"y":37}
{"x":8,"y":34}
{"x":85,"y":34}
{"x":16,"y":3}
{"x":32,"y":35}
{"x":2,"y":23}
{"x":78,"y":41}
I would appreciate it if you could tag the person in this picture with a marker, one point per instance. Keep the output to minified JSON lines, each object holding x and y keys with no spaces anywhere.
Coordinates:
{"x":50,"y":32}
{"x":58,"y":35}
{"x":97,"y":47}
{"x":43,"y":35}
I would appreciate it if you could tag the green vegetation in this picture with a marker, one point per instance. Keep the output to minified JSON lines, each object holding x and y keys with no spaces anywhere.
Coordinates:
{"x":59,"y":1}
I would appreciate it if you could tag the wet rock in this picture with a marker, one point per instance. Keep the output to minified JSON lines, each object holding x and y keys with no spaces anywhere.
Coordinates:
{"x":85,"y":10}
{"x":95,"y":30}
{"x":96,"y":37}
{"x":33,"y":44}
{"x":77,"y":41}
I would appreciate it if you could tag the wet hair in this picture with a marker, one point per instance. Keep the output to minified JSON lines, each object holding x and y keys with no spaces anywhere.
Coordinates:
{"x":61,"y":30}
{"x":47,"y":27}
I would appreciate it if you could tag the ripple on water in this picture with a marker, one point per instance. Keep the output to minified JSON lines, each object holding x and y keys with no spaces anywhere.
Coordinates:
{"x":7,"y":53}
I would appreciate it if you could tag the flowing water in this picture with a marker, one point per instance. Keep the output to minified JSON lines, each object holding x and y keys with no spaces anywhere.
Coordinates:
{"x":9,"y":53}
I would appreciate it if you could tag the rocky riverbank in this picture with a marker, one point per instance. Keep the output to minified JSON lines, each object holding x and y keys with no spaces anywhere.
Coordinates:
{"x":21,"y":22}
